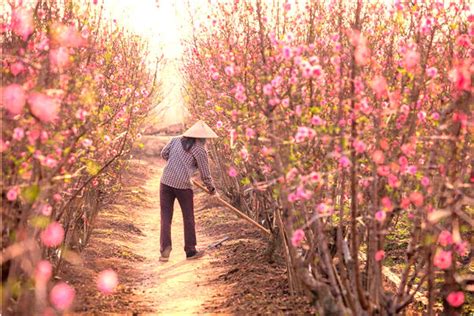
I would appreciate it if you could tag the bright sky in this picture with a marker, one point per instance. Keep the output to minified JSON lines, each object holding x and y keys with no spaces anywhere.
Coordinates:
{"x":163,"y":23}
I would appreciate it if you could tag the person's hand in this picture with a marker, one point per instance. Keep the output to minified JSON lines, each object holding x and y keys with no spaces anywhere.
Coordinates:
{"x":212,"y":191}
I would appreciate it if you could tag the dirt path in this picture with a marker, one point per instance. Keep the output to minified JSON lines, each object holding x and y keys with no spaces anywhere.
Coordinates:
{"x":127,"y":240}
{"x":240,"y":277}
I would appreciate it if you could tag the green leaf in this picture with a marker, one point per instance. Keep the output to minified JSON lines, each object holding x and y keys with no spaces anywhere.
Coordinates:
{"x":39,"y":221}
{"x":30,"y":194}
{"x":92,"y":167}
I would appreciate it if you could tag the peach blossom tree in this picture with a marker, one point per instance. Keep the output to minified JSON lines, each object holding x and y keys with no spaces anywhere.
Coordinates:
{"x":75,"y":89}
{"x":346,"y":129}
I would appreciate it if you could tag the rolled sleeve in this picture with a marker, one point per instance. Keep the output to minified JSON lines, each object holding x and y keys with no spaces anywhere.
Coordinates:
{"x":165,"y":152}
{"x":202,"y":160}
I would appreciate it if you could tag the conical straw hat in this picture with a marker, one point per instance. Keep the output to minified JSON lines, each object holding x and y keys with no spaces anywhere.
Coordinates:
{"x":200,"y":130}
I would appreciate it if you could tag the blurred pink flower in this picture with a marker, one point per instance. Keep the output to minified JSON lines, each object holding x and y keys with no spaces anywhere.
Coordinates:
{"x":317,"y":120}
{"x":43,"y":271}
{"x":18,"y":133}
{"x":12,"y":194}
{"x":232,"y":172}
{"x":378,"y":157}
{"x":215,"y":76}
{"x":380,"y":216}
{"x":425,"y":181}
{"x":52,"y":235}
{"x":462,"y":248}
{"x":22,"y":22}
{"x":442,"y":259}
{"x":4,"y":145}
{"x":379,"y":255}
{"x":59,"y":58}
{"x":411,"y":59}
{"x":344,"y":162}
{"x":359,"y":146}
{"x":416,"y":198}
{"x":445,"y":238}
{"x":287,"y":53}
{"x":431,"y":72}
{"x":13,"y":98}
{"x":249,"y":133}
{"x":229,"y":71}
{"x":67,"y":35}
{"x":455,"y":299}
{"x":17,"y":68}
{"x":461,"y":77}
{"x":297,"y":238}
{"x":219,"y":124}
{"x":62,"y":296}
{"x":44,"y":107}
{"x":107,"y":281}
{"x":380,"y":87}
{"x":314,"y":176}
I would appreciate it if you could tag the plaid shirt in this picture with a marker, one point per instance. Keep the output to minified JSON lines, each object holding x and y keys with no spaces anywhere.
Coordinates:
{"x":182,"y":165}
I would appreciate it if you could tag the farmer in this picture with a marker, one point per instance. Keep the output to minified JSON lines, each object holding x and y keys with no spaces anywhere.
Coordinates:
{"x":184,"y":154}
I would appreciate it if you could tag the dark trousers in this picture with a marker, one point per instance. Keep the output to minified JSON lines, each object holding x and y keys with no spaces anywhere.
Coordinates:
{"x":185,"y":198}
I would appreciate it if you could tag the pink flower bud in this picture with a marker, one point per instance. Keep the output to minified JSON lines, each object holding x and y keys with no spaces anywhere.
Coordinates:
{"x":62,"y":296}
{"x":13,"y":98}
{"x":53,"y":235}
{"x":43,"y":271}
{"x":379,"y":255}
{"x":12,"y":194}
{"x":297,"y":238}
{"x":107,"y":281}
{"x":232,"y":172}
{"x":455,"y":299}
{"x":442,"y":259}
{"x":44,"y":107}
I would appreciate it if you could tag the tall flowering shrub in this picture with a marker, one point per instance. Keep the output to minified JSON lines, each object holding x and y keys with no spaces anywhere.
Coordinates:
{"x":75,"y":89}
{"x":346,"y":128}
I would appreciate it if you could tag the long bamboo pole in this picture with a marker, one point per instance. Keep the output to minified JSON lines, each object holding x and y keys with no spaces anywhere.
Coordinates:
{"x":233,"y":209}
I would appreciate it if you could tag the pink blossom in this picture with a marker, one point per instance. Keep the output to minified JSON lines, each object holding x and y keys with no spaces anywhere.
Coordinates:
{"x":380,"y":87}
{"x":314,"y":176}
{"x":291,"y":174}
{"x":383,"y":170}
{"x":435,"y":116}
{"x":43,"y":271}
{"x":379,"y":255}
{"x":425,"y":181}
{"x":359,"y":146}
{"x":431,"y":72}
{"x":442,"y":259}
{"x":462,"y":248}
{"x":378,"y":157}
{"x":463,"y":41}
{"x":411,"y":59}
{"x":292,"y":197}
{"x":461,"y":77}
{"x":455,"y":299}
{"x":297,"y":238}
{"x":229,"y":71}
{"x":232,"y":172}
{"x":18,"y":133}
{"x":52,"y":235}
{"x":219,"y":124}
{"x":393,"y":181}
{"x":445,"y":238}
{"x":44,"y":107}
{"x":17,"y":68}
{"x":12,"y":194}
{"x":249,"y":133}
{"x":4,"y":145}
{"x":67,"y":35}
{"x":244,"y":154}
{"x":380,"y":216}
{"x":324,"y":209}
{"x":107,"y":281}
{"x":50,"y":162}
{"x":387,"y":203}
{"x":267,"y":89}
{"x":13,"y":98}
{"x":344,"y":162}
{"x":22,"y":22}
{"x":215,"y":76}
{"x":59,"y":58}
{"x":317,"y":120}
{"x":303,"y":194}
{"x":287,"y":53}
{"x":416,"y":198}
{"x":46,"y":209}
{"x":62,"y":296}
{"x":412,"y":169}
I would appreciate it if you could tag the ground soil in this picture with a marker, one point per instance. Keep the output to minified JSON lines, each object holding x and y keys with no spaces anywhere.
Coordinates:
{"x":238,"y":277}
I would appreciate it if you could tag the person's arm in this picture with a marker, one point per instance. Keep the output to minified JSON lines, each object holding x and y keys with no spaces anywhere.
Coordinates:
{"x":165,"y":152}
{"x":202,"y":160}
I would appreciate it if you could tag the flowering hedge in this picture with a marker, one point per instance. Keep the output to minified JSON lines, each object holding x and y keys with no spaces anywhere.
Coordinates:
{"x":346,"y":129}
{"x":75,"y":90}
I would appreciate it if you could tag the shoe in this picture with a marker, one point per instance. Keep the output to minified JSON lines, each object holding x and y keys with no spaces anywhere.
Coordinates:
{"x":194,"y":254}
{"x":165,"y":255}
